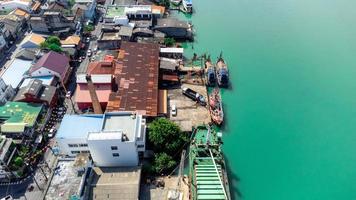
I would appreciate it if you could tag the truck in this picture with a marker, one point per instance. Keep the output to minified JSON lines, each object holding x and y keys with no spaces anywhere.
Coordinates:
{"x":195,"y":96}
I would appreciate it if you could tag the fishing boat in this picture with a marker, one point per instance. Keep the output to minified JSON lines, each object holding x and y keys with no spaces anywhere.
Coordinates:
{"x":207,"y":170}
{"x":222,"y":72}
{"x":210,"y":73}
{"x":215,"y":106}
{"x":187,"y":6}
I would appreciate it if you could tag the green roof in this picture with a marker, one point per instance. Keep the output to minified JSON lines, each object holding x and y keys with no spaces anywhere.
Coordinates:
{"x":115,"y":11}
{"x":20,"y":113}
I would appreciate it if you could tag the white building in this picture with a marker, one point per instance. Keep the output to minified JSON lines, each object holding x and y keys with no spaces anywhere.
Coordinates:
{"x":113,"y":139}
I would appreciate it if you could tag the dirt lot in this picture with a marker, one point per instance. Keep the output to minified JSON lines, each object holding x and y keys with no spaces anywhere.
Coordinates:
{"x":189,"y":113}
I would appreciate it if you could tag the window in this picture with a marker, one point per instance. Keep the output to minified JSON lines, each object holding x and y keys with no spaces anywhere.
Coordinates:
{"x":83,"y":145}
{"x":73,"y":145}
{"x":140,"y":146}
{"x":113,"y":147}
{"x":115,"y":154}
{"x":75,"y":152}
{"x":84,"y":152}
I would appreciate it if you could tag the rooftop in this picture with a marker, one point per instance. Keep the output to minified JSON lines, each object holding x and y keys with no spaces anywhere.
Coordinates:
{"x":53,"y":61}
{"x":100,"y":126}
{"x":171,"y":22}
{"x":13,"y":75}
{"x":38,"y":90}
{"x":113,"y":11}
{"x":110,"y":36}
{"x":17,"y":115}
{"x":82,"y":94}
{"x":65,"y":182}
{"x":78,"y":126}
{"x":116,"y":183}
{"x":46,"y":80}
{"x":96,"y":78}
{"x":136,"y":74}
{"x":125,"y":31}
{"x":100,"y":68}
{"x":74,"y":40}
{"x":34,"y":38}
{"x":21,"y":12}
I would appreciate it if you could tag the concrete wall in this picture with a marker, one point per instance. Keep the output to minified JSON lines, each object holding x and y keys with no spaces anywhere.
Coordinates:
{"x":102,"y":154}
{"x":64,"y":148}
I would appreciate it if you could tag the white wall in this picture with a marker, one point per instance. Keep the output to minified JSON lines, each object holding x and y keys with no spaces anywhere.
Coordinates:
{"x":66,"y":150}
{"x":12,"y":5}
{"x":44,"y":72}
{"x":102,"y":154}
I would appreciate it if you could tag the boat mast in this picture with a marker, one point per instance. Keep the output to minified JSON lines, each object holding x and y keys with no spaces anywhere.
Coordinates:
{"x":217,"y":171}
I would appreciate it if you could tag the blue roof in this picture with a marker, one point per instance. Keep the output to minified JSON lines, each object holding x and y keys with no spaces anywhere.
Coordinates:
{"x":14,"y":73}
{"x":78,"y":126}
{"x":47,"y":80}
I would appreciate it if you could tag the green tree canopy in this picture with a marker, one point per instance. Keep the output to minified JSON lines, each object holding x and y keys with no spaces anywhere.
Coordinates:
{"x":165,"y":3}
{"x":88,"y":28}
{"x":52,"y":43}
{"x":162,"y":163}
{"x":166,"y":136}
{"x":18,"y":161}
{"x":169,"y":42}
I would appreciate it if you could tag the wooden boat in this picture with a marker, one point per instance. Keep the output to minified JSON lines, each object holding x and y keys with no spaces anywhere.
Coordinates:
{"x":215,"y":107}
{"x":210,"y":73}
{"x":222,"y":72}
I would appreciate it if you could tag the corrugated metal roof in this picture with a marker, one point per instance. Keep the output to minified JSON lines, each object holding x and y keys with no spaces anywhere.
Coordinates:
{"x":13,"y":75}
{"x":136,"y":74}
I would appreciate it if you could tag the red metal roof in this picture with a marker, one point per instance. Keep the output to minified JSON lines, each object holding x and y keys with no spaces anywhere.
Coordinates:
{"x":136,"y":74}
{"x":100,"y":68}
{"x":53,"y":61}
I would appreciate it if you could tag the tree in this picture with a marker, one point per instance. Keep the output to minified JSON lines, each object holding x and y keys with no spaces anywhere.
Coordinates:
{"x":18,"y":161}
{"x":88,"y":28}
{"x":52,"y":43}
{"x":165,"y":3}
{"x":162,"y":163}
{"x":169,"y":42}
{"x":166,"y":136}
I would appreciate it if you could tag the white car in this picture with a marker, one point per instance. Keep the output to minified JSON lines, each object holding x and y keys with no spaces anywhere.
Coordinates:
{"x":69,"y":93}
{"x":89,"y":53}
{"x":174,"y":110}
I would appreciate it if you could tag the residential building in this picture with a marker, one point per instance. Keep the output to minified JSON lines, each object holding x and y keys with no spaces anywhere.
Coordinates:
{"x":27,"y":54}
{"x":52,"y":22}
{"x":109,"y":40}
{"x":19,"y":119}
{"x":136,"y":77}
{"x":7,"y":92}
{"x":121,"y":15}
{"x":115,"y":183}
{"x":32,"y":40}
{"x":71,"y":45}
{"x":52,"y":63}
{"x":85,"y":9}
{"x":14,"y":74}
{"x":102,"y":78}
{"x":10,"y":5}
{"x":14,"y":25}
{"x":113,"y":139}
{"x":36,"y":92}
{"x":175,"y":28}
{"x":125,"y":33}
{"x":21,"y":13}
{"x":7,"y":151}
{"x":102,"y":84}
{"x":158,"y":11}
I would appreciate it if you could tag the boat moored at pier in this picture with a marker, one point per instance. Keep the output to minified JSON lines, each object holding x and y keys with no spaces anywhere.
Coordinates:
{"x":215,"y":107}
{"x":210,"y":75}
{"x":188,"y":6}
{"x":222,"y":73}
{"x":207,"y":173}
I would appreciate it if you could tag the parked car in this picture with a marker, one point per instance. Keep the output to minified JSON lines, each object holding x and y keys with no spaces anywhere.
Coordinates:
{"x":174,"y":110}
{"x":68,"y":95}
{"x":89,"y":53}
{"x":87,"y":40}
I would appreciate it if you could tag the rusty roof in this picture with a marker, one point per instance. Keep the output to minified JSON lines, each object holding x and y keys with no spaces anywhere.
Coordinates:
{"x":136,"y":75}
{"x":100,"y":67}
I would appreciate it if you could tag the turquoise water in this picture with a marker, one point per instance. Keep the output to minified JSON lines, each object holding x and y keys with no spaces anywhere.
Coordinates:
{"x":290,"y":132}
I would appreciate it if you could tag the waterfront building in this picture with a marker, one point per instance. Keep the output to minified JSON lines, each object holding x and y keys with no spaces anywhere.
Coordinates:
{"x":112,"y":139}
{"x":174,"y":28}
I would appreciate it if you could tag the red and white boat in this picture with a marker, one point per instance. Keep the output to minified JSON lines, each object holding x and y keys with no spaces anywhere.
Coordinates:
{"x":215,"y":106}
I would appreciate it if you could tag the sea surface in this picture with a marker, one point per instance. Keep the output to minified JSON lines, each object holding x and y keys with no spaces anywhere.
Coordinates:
{"x":290,"y":131}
